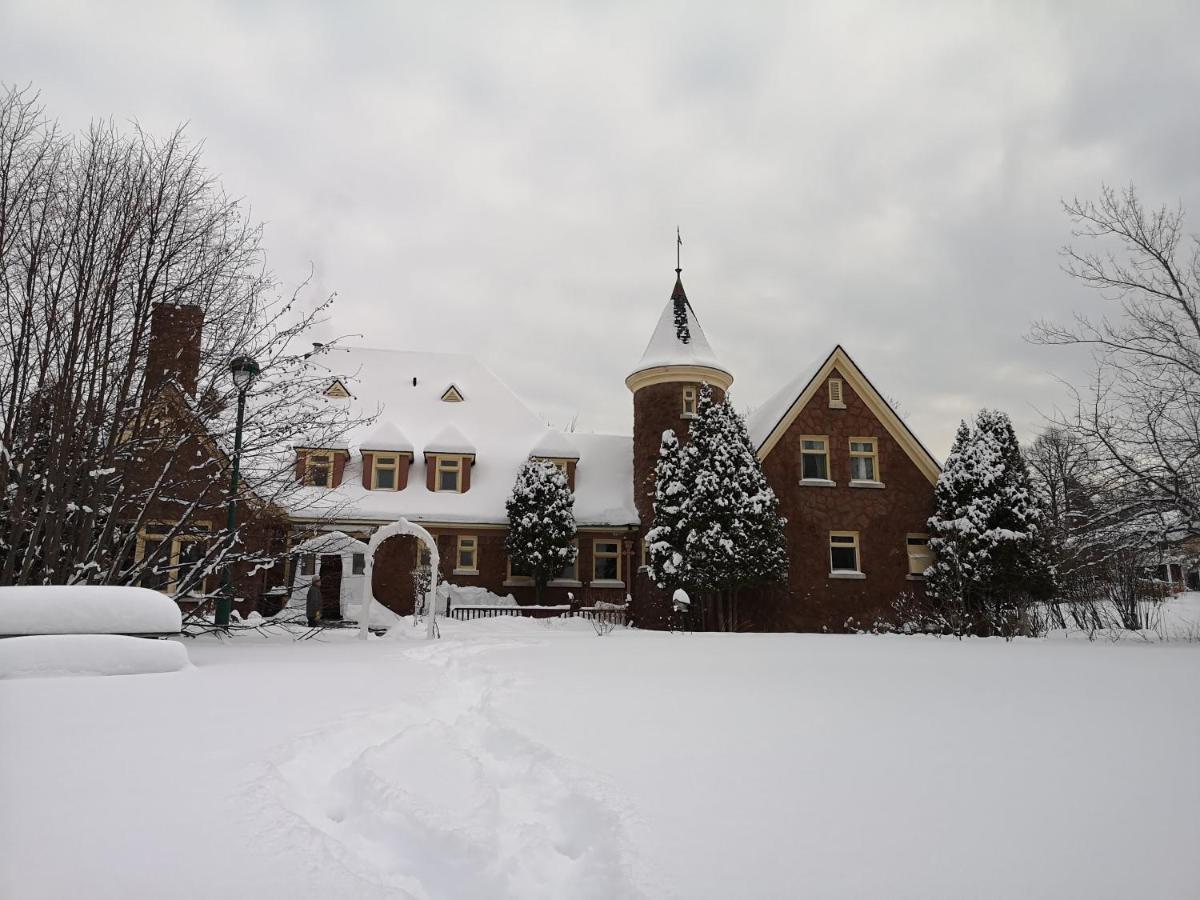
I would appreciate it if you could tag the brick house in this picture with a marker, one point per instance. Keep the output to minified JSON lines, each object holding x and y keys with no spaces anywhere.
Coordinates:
{"x":854,"y":482}
{"x":189,"y":469}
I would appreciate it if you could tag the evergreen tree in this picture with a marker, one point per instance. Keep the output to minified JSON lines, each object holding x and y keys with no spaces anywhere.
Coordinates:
{"x":991,"y":560}
{"x":721,"y":530}
{"x":666,"y":542}
{"x":541,"y":523}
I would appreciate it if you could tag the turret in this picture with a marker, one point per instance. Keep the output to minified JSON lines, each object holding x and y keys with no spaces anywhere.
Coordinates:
{"x":666,"y":385}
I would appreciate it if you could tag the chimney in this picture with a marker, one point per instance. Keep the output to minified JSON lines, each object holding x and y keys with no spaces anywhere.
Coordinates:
{"x":174,"y":352}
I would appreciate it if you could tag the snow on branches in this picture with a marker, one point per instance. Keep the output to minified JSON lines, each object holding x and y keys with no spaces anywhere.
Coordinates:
{"x":541,"y":523}
{"x":986,"y":531}
{"x":717,"y":526}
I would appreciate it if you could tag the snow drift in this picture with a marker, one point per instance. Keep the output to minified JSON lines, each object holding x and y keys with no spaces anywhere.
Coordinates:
{"x":56,"y":655}
{"x":87,"y":609}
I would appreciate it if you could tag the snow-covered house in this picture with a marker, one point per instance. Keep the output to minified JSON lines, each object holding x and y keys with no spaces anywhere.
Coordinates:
{"x":443,"y":450}
{"x":448,"y":437}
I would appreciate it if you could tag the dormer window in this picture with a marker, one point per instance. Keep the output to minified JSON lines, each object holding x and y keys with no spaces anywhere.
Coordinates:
{"x":383,"y":472}
{"x":448,"y":475}
{"x":689,"y":401}
{"x":318,"y":469}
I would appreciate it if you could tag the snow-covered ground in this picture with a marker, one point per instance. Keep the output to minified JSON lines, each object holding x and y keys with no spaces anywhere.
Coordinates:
{"x":525,"y":758}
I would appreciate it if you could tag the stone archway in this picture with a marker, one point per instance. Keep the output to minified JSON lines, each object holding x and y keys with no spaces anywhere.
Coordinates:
{"x":400,"y":527}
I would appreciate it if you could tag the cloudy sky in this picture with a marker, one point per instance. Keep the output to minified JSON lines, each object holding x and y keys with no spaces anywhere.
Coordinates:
{"x":506,"y":180}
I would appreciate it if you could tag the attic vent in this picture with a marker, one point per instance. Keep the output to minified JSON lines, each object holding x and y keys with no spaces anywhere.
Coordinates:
{"x":835,"y":394}
{"x":452,"y":395}
{"x":337,"y":390}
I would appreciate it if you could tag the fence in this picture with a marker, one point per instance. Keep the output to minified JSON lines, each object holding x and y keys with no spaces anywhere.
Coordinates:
{"x":618,"y":615}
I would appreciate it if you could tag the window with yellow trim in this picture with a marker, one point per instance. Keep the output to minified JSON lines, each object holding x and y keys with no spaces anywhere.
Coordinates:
{"x":844,"y":552}
{"x":689,"y":400}
{"x":814,"y":457}
{"x":570,"y":572}
{"x":383,"y":472}
{"x":606,"y":560}
{"x":864,"y":459}
{"x":449,"y":474}
{"x":318,"y":469}
{"x":467,"y":559}
{"x":920,"y":557}
{"x":171,"y":566}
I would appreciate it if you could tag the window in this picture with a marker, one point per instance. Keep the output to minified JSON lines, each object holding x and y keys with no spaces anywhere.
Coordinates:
{"x":645,"y":562}
{"x":606,"y":561}
{"x":467,"y":561}
{"x":570,"y":572}
{"x":449,"y":474}
{"x":423,"y":558}
{"x":358,"y":563}
{"x":814,"y":458}
{"x":864,"y":459}
{"x":383,"y":473}
{"x":836,"y":401}
{"x":843,"y":552}
{"x":308,"y":564}
{"x":318,"y":469}
{"x":920,"y":557}
{"x":171,"y":563}
{"x":689,"y":401}
{"x":518,"y":571}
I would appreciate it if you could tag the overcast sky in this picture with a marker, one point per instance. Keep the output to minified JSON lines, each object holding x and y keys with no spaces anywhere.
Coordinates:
{"x":506,"y":180}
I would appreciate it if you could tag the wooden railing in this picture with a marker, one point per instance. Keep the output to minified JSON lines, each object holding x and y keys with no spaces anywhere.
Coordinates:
{"x":613,"y":616}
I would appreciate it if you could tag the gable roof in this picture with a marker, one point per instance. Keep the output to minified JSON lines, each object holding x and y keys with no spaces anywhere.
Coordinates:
{"x":678,"y":339}
{"x":771,"y":420}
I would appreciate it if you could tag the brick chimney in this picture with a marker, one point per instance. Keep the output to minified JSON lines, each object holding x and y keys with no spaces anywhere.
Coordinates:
{"x":174,"y":352}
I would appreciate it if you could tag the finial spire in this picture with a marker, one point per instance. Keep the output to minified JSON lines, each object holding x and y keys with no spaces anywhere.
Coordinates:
{"x":678,"y":248}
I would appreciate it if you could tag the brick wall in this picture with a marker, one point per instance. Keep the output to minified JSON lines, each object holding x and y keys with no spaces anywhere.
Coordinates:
{"x":883,"y":517}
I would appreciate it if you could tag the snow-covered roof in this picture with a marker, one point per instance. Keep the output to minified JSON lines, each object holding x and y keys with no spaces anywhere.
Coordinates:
{"x":331,"y":543}
{"x":387,"y":437}
{"x":404,"y":388}
{"x":450,"y":440}
{"x":762,"y":421}
{"x":555,"y":445}
{"x":678,"y":339}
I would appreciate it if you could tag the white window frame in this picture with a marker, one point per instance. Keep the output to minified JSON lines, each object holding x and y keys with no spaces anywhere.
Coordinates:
{"x":872,"y":454}
{"x":837,"y":394}
{"x":824,"y":439}
{"x":914,"y":558}
{"x":446,"y":463}
{"x":469,"y":542}
{"x":691,"y":397}
{"x":842,"y":542}
{"x":597,"y":554}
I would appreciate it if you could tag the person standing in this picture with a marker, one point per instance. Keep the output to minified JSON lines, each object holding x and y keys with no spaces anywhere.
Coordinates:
{"x":312,"y":602}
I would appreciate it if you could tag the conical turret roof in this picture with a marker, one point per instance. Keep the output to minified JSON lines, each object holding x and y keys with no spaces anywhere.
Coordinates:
{"x":678,"y":339}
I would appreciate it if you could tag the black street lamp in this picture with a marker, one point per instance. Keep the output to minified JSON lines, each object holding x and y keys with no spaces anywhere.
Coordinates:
{"x":244,"y":371}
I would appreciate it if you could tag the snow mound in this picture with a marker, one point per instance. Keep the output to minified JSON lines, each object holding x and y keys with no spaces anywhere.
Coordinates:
{"x":471,"y":595}
{"x":87,"y":609}
{"x":58,"y":655}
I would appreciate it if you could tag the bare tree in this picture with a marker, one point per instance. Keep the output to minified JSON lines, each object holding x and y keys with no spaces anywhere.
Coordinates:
{"x":1140,"y":416}
{"x":97,"y":444}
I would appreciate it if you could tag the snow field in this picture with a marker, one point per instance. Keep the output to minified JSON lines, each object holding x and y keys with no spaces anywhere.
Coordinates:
{"x":525,"y":758}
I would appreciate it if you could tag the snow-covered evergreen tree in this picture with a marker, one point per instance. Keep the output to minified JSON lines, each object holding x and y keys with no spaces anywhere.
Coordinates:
{"x":991,"y":559}
{"x":541,"y":523}
{"x":717,"y":525}
{"x":666,"y":542}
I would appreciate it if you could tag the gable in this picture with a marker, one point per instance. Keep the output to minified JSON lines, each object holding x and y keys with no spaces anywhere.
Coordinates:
{"x":838,"y":365}
{"x":337,"y":390}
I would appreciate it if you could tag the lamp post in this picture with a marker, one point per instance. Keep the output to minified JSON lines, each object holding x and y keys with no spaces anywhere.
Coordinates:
{"x":244,"y":371}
